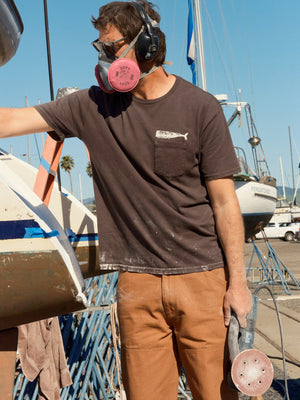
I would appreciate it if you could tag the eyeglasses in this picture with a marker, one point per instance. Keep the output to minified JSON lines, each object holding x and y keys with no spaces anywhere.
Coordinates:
{"x":108,"y":47}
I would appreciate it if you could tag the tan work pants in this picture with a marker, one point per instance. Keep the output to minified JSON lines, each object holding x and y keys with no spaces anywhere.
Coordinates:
{"x":169,"y":321}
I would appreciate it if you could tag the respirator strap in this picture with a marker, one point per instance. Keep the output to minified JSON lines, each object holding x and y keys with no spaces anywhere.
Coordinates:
{"x":154,"y":68}
{"x":131,"y":44}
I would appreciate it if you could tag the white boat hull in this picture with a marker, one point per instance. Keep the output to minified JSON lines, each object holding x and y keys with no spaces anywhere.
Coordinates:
{"x":257,"y":202}
{"x":286,"y":214}
{"x":40,"y":275}
{"x":76,"y":220}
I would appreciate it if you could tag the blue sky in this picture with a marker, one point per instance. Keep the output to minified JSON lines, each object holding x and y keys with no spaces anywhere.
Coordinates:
{"x":249,"y":45}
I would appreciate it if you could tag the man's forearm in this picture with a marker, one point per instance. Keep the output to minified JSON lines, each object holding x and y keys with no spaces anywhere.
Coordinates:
{"x":21,"y":121}
{"x":230,"y":230}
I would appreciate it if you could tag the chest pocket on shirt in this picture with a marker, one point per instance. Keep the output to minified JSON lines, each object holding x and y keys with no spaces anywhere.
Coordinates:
{"x":172,"y":157}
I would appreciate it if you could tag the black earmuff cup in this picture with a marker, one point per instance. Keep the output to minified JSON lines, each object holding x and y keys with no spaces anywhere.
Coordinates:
{"x":147,"y":44}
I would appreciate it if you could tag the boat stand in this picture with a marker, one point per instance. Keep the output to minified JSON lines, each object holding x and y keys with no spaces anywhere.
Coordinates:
{"x":92,"y":346}
{"x":272,"y":269}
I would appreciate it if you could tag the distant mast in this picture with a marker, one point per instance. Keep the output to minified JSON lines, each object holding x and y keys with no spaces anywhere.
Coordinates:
{"x":282,"y":178}
{"x":292,"y":161}
{"x":199,"y":45}
{"x":28,"y":138}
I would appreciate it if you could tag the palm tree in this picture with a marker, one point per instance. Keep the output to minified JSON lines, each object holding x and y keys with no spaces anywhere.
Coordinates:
{"x":67,"y":163}
{"x":89,"y":169}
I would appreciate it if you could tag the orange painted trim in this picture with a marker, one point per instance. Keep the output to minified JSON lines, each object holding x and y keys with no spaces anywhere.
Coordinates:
{"x":87,"y":152}
{"x":47,"y":170}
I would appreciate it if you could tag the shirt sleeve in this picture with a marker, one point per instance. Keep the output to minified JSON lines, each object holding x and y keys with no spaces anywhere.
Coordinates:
{"x":217,"y":155}
{"x":65,"y":115}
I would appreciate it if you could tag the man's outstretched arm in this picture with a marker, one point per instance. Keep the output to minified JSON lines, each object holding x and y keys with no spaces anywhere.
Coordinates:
{"x":21,"y":121}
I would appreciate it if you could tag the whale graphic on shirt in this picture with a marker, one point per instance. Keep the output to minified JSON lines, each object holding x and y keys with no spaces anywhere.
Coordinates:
{"x":170,"y":135}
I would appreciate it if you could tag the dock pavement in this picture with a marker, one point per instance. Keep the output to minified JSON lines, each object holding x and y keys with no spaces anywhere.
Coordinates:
{"x":267,"y":335}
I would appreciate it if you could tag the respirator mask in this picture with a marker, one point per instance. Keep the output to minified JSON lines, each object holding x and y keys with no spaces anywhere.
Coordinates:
{"x":117,"y":73}
{"x":122,"y":74}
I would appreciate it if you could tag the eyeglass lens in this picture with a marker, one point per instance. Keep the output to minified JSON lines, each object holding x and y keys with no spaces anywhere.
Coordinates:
{"x":108,"y":47}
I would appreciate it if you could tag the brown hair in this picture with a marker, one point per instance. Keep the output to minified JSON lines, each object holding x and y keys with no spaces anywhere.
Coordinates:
{"x":127,"y":19}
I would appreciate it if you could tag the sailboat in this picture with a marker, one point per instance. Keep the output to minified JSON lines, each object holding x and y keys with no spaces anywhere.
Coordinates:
{"x":46,"y":248}
{"x":287,"y":211}
{"x":256,"y":190}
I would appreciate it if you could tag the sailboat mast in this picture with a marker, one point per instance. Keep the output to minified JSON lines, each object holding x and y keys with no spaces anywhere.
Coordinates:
{"x":28,"y":138}
{"x":292,"y":161}
{"x":199,"y":46}
{"x":282,"y":178}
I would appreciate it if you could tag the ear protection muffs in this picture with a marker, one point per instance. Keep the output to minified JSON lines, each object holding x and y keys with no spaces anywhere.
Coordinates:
{"x":147,"y":44}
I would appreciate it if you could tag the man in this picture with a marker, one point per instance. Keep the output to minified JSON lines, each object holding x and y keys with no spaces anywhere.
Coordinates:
{"x":169,"y":220}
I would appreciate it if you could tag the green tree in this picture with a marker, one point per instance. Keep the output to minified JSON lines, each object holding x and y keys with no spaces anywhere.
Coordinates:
{"x":89,"y":169}
{"x":67,"y":163}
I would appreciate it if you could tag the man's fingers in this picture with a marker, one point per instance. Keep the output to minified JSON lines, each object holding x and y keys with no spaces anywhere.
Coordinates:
{"x":227,"y":315}
{"x":242,"y":321}
{"x":238,"y":301}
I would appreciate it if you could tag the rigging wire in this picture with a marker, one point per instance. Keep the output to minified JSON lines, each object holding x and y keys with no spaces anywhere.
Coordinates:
{"x":258,"y":150}
{"x":217,"y":44}
{"x":28,"y":140}
{"x":228,"y":47}
{"x":243,"y":35}
{"x":183,"y":51}
{"x":294,"y":143}
{"x":249,"y":60}
{"x":210,"y":49}
{"x":173,"y":41}
{"x":239,"y":34}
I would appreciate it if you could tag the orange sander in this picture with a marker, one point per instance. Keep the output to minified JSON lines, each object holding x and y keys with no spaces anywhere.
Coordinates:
{"x":251,"y":370}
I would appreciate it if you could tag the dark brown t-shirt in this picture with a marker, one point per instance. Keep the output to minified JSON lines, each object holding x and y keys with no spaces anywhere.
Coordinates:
{"x":150,"y":159}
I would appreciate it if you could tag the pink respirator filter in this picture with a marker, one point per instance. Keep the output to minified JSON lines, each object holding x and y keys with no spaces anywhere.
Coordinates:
{"x":123,"y":75}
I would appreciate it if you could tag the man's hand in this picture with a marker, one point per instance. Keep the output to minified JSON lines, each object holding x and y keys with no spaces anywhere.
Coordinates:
{"x":238,"y":299}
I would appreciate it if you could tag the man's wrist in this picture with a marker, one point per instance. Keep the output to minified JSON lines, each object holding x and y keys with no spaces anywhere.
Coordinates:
{"x":238,"y":280}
